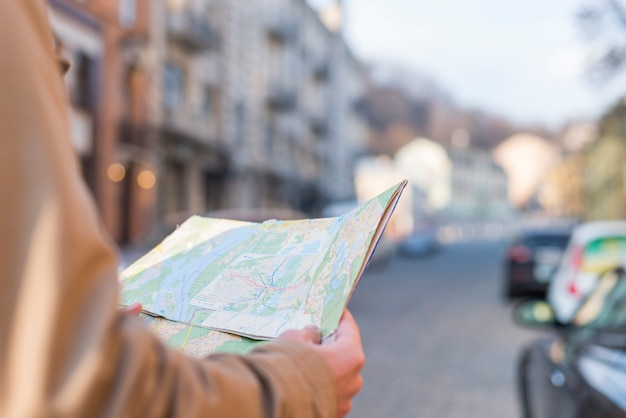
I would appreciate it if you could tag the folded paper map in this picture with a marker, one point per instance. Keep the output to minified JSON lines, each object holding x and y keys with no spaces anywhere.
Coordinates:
{"x":222,"y":285}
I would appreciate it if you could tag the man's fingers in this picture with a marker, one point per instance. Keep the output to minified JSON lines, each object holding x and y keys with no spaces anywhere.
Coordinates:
{"x":310,"y":334}
{"x":344,"y":409}
{"x":314,"y":333}
{"x":348,"y":328}
{"x":134,"y":309}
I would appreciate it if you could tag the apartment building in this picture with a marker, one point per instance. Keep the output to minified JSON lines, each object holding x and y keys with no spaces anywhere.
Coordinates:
{"x":562,"y":194}
{"x":526,"y":159}
{"x":479,"y":187}
{"x":604,"y":169}
{"x":96,"y":37}
{"x":190,"y":154}
{"x":460,"y":183}
{"x":188,"y":106}
{"x":258,"y":107}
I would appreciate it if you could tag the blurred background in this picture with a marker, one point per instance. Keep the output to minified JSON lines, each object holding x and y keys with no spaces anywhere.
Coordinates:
{"x":504,"y":116}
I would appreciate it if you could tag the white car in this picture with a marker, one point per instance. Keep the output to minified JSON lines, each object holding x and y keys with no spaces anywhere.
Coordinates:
{"x":594,"y":248}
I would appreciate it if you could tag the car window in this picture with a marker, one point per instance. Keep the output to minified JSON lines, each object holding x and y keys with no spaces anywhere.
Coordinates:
{"x":605,"y":308}
{"x":604,"y":253}
{"x":546,"y":240}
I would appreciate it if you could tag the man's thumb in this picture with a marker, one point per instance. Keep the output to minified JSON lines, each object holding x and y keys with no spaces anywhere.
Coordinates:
{"x":134,"y":309}
{"x":309,"y":335}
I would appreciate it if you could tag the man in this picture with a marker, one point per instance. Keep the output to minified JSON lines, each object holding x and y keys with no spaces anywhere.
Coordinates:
{"x":65,"y":350}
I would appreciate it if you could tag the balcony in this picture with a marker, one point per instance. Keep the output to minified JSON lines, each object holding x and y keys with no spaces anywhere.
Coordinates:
{"x":321,"y":71}
{"x":184,"y":124}
{"x":133,"y":134}
{"x":282,"y":30}
{"x":282,"y":98}
{"x":319,"y":126}
{"x":359,"y":106}
{"x":192,"y":32}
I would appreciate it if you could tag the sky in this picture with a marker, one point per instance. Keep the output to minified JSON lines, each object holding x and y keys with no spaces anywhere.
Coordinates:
{"x":523,"y":59}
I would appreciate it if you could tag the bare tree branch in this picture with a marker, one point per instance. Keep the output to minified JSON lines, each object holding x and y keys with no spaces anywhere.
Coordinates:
{"x":619,"y":12}
{"x":604,"y":25}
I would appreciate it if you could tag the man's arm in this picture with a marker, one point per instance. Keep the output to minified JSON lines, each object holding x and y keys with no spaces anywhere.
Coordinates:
{"x":64,"y":347}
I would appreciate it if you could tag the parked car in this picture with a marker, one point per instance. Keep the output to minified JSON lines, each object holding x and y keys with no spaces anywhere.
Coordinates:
{"x":532,"y":258}
{"x":580,"y":370}
{"x":422,"y":242}
{"x":595,"y":247}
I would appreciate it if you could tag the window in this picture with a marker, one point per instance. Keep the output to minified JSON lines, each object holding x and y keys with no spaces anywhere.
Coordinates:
{"x":240,"y":120}
{"x":213,"y":190}
{"x":82,"y":92}
{"x":128,"y":13}
{"x":206,"y":102}
{"x":173,"y":86}
{"x":270,"y":133}
{"x":605,"y":307}
{"x":174,"y":187}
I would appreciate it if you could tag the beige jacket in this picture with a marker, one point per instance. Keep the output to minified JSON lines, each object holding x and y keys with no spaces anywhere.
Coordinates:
{"x":65,"y":349}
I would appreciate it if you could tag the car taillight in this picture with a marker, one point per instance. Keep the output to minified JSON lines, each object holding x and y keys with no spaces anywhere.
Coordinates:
{"x":573,"y":289}
{"x":520,"y":254}
{"x":577,"y":257}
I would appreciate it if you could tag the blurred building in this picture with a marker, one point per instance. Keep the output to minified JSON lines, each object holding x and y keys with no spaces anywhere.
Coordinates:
{"x":605,"y":168}
{"x":187,"y":106}
{"x":526,"y":159}
{"x":94,"y":37}
{"x":562,"y":192}
{"x":373,"y":176}
{"x":459,"y":183}
{"x":479,"y":186}
{"x":578,"y":136}
{"x":428,"y":167}
{"x":604,"y":183}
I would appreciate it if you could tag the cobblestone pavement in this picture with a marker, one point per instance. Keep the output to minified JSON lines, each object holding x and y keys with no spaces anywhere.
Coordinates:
{"x":438,"y":338}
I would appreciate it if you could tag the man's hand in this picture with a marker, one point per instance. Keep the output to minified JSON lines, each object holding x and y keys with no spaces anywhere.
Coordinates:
{"x":134,"y":309}
{"x":344,"y":356}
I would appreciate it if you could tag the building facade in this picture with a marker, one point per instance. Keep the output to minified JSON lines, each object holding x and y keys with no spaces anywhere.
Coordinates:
{"x":527,"y":160}
{"x":95,"y":37}
{"x":605,"y":195}
{"x":198,"y":105}
{"x":460,"y":183}
{"x":605,"y":168}
{"x":259,"y":109}
{"x":479,"y":186}
{"x":562,"y":193}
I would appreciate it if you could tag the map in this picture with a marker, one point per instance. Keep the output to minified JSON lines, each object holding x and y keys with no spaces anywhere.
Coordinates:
{"x":254,"y":279}
{"x":197,"y":341}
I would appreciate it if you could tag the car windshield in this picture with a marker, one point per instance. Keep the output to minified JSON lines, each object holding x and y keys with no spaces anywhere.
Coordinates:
{"x":546,"y":240}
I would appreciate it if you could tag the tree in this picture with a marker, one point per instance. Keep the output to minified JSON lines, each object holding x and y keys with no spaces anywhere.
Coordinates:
{"x":603,"y":22}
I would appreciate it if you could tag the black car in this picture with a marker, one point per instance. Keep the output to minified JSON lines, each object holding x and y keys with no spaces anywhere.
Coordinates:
{"x":580,"y":371}
{"x":532,"y":258}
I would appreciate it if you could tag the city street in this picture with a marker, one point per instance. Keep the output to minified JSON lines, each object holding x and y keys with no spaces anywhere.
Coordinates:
{"x":241,"y":158}
{"x":438,"y":338}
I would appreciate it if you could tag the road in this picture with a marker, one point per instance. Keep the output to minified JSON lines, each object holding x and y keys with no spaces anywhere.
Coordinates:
{"x":439,"y":340}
